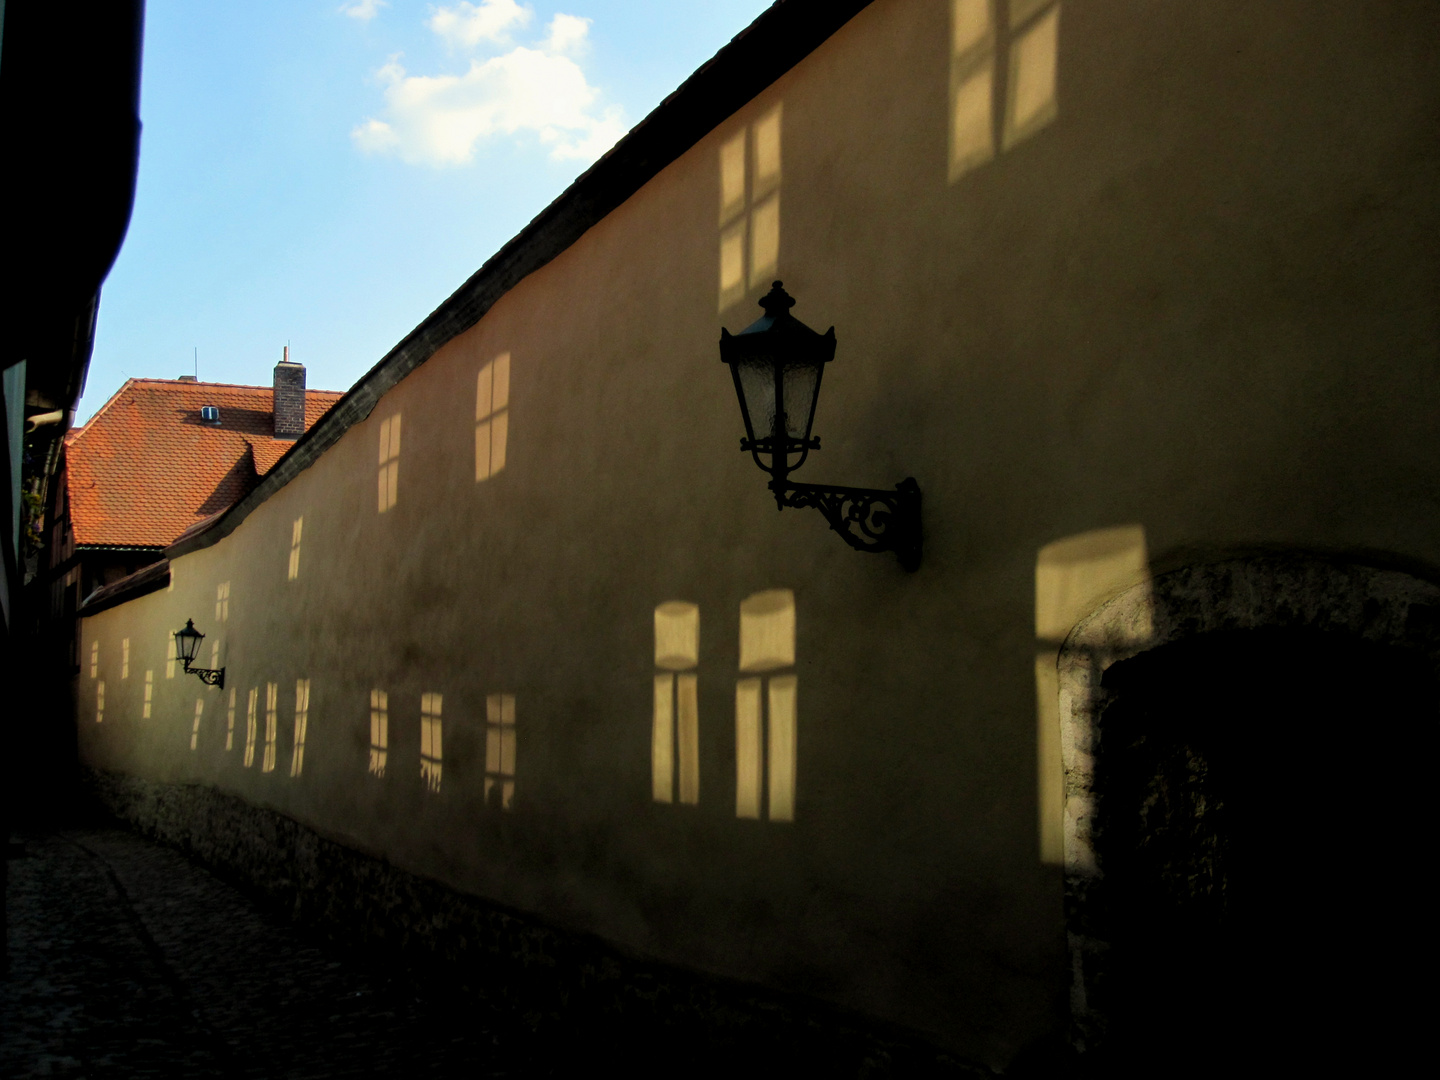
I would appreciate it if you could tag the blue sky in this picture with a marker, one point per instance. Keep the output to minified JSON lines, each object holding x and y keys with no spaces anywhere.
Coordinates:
{"x":324,"y":173}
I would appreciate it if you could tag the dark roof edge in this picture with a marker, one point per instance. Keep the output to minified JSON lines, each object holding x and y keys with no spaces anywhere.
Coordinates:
{"x":786,"y":33}
{"x":157,"y":548}
{"x":147,"y":579}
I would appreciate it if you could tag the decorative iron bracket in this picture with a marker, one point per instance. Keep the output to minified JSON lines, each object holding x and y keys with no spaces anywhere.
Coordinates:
{"x":208,"y":676}
{"x":868,"y":519}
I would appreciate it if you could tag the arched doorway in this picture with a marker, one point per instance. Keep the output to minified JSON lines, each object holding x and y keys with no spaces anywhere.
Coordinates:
{"x":1246,"y":820}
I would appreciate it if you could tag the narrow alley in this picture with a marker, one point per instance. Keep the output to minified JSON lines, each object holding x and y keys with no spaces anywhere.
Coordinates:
{"x":124,"y":959}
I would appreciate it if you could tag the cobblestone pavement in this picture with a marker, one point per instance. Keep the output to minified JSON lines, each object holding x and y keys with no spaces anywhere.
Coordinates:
{"x":126,"y":960}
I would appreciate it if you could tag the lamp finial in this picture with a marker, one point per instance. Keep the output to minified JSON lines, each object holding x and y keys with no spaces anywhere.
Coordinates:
{"x":777,"y":301}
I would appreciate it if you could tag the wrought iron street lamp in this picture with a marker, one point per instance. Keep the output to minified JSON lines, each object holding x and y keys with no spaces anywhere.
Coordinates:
{"x":777,"y":363}
{"x":187,"y":645}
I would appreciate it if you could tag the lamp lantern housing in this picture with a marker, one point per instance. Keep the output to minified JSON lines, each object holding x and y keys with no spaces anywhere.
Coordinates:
{"x":777,"y":363}
{"x":187,"y":647}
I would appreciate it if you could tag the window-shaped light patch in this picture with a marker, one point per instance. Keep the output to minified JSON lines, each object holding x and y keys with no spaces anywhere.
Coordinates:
{"x":100,"y":702}
{"x":222,"y":602}
{"x":431,"y":744}
{"x":500,"y":750}
{"x":492,"y":416}
{"x":765,"y":199}
{"x":230,"y":723}
{"x":146,"y":705}
{"x":169,"y":654}
{"x":302,"y":720}
{"x":195,"y":724}
{"x":676,"y":720}
{"x":379,"y":731}
{"x":766,"y":708}
{"x":389,"y":484}
{"x":295,"y":531}
{"x":750,"y":177}
{"x":94,"y":659}
{"x":1074,"y":576}
{"x":1026,"y":34}
{"x":272,"y":724}
{"x":972,"y":81}
{"x":250,"y":726}
{"x":1034,"y":54}
{"x":124,"y":658}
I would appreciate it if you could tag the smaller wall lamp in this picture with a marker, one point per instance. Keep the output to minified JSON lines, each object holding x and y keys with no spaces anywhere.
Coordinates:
{"x":187,"y":645}
{"x":777,"y":363}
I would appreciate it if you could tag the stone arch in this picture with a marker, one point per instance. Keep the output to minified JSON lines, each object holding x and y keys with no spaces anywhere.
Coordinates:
{"x":1294,"y":591}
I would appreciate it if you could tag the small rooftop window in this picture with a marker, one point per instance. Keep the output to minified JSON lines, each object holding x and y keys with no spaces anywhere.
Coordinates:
{"x":210,"y":414}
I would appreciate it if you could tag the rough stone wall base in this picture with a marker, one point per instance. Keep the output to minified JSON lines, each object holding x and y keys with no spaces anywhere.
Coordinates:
{"x":359,"y":902}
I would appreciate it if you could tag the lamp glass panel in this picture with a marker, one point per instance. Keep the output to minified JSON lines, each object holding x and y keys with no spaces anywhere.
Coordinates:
{"x":187,"y":643}
{"x":802,"y":383}
{"x":757,"y":383}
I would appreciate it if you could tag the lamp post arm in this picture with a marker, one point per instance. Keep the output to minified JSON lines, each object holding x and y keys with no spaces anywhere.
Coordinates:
{"x":208,"y":676}
{"x":868,"y":519}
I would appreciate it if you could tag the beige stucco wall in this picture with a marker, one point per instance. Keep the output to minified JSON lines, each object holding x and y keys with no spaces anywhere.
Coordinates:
{"x":1201,"y":300}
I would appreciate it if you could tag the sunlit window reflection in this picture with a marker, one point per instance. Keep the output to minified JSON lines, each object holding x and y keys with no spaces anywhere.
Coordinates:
{"x":195,"y":726}
{"x":972,"y":79}
{"x":302,"y":720}
{"x":1034,"y":53}
{"x":492,"y":416}
{"x":222,"y":602}
{"x":430,"y":740}
{"x":766,"y":708}
{"x":149,"y":695}
{"x":750,"y":177}
{"x":389,"y":485}
{"x":250,"y":726}
{"x":379,"y":731}
{"x":125,"y":658}
{"x":676,"y":720}
{"x":500,"y":749}
{"x":1026,"y":33}
{"x":169,"y":654}
{"x":272,"y":724}
{"x":100,"y":702}
{"x":94,"y":659}
{"x":230,"y":723}
{"x":1073,"y":577}
{"x":295,"y":531}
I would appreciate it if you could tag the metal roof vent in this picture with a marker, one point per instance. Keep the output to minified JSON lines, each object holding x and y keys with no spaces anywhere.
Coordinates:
{"x":210,"y":414}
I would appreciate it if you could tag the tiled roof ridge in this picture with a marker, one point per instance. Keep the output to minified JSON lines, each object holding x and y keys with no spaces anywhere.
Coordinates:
{"x":186,"y":384}
{"x":75,"y":433}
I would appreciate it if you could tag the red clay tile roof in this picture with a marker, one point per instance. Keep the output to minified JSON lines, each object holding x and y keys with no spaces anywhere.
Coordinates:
{"x":146,"y":467}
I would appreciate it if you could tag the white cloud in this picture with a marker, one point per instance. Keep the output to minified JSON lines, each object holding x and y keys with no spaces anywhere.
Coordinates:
{"x":542,"y":91}
{"x":466,"y":25}
{"x":568,"y":35}
{"x":364,"y":10}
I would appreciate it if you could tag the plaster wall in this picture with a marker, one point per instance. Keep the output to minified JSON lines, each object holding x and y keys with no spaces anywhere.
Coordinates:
{"x":1199,"y":299}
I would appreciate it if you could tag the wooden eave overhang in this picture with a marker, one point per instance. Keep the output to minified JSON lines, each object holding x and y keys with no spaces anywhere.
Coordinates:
{"x":147,"y":579}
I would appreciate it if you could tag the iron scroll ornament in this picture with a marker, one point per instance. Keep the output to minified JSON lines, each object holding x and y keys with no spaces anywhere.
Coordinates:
{"x":868,"y":519}
{"x":777,"y":364}
{"x":208,"y":676}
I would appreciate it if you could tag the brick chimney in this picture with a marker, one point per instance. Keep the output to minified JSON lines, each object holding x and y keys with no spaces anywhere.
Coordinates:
{"x":289,"y":398}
